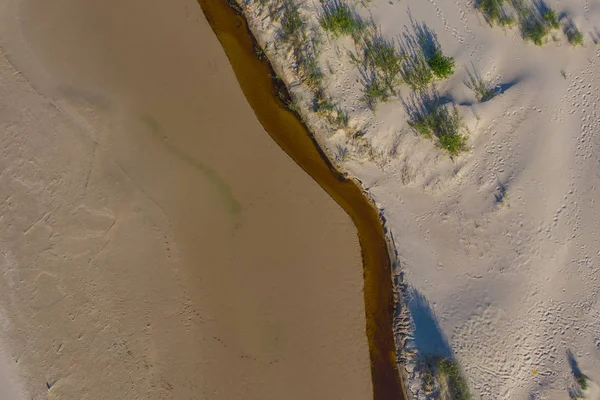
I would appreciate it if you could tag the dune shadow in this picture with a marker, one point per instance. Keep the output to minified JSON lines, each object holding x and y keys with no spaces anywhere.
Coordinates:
{"x":503,"y":87}
{"x":429,"y":337}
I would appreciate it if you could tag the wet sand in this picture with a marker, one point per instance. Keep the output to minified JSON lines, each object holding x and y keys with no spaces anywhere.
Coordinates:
{"x":156,"y":243}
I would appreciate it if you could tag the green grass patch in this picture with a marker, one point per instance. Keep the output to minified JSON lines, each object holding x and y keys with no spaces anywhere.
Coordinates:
{"x":429,"y":118}
{"x":340,"y":19}
{"x":492,"y":10}
{"x":573,"y":34}
{"x":582,"y":381}
{"x":375,"y":90}
{"x":383,"y":56}
{"x":442,"y":66}
{"x":482,"y":89}
{"x":416,"y":72}
{"x":291,"y":22}
{"x":550,"y":19}
{"x":535,"y":24}
{"x":457,"y":385}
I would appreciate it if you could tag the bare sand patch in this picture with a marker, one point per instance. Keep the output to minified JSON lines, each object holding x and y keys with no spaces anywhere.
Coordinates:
{"x":155,"y":242}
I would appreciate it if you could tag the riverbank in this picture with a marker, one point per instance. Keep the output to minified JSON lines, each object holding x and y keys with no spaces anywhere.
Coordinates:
{"x":497,"y":243}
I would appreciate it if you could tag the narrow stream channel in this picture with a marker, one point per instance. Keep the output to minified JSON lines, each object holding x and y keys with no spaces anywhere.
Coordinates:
{"x":254,"y":77}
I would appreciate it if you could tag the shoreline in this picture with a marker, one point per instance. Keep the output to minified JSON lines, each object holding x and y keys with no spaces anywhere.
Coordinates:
{"x":281,"y":91}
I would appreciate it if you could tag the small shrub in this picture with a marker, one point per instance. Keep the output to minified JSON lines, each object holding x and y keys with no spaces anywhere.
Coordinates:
{"x":441,"y":65}
{"x":341,"y":117}
{"x":506,"y":21}
{"x":574,"y":35}
{"x":383,"y":56}
{"x":339,"y":19}
{"x":482,"y":89}
{"x":551,"y":19}
{"x":535,"y":30}
{"x":291,"y":21}
{"x":313,"y":76}
{"x":374,"y":91}
{"x":582,"y":381}
{"x":491,"y":9}
{"x":416,"y":72}
{"x":322,"y":104}
{"x":457,"y":385}
{"x":431,"y":119}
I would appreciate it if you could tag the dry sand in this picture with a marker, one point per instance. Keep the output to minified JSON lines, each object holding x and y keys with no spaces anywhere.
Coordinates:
{"x":155,"y":242}
{"x":509,"y":286}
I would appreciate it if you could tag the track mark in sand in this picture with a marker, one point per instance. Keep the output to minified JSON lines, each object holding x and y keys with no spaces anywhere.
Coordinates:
{"x":230,"y":201}
{"x":453,"y":31}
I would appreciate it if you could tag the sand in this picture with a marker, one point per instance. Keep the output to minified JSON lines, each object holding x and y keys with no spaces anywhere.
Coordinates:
{"x":499,"y":248}
{"x":155,"y":242}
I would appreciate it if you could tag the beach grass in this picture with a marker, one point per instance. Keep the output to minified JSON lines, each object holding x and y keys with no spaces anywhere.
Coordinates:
{"x":442,"y":66}
{"x":457,"y":386}
{"x":482,"y":89}
{"x":339,"y":18}
{"x":383,"y":56}
{"x":431,"y":119}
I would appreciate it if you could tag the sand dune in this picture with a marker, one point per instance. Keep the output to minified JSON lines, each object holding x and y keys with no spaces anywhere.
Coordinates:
{"x":155,"y":242}
{"x":499,"y":245}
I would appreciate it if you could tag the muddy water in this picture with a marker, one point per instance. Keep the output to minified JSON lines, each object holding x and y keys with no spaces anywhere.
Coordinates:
{"x":289,"y":132}
{"x":156,"y":242}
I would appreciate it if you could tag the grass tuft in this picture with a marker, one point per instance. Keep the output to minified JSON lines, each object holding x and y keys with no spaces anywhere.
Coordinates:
{"x":375,"y":90}
{"x":492,"y":10}
{"x":429,"y":118}
{"x":340,"y":19}
{"x":291,"y":21}
{"x":416,"y":72}
{"x":574,"y":35}
{"x":457,"y":386}
{"x":383,"y":56}
{"x":482,"y":89}
{"x":442,"y":66}
{"x":582,"y":381}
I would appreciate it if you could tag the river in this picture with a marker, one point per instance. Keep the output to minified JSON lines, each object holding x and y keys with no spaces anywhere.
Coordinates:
{"x":290,"y":133}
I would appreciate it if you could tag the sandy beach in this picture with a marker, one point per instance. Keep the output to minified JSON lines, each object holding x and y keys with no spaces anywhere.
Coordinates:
{"x":155,"y":242}
{"x":498,"y":245}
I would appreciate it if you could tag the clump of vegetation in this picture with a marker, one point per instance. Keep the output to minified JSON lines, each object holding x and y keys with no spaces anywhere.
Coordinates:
{"x":416,"y":72}
{"x":536,"y":21}
{"x":536,"y":31}
{"x":429,"y":118}
{"x":322,"y":104}
{"x":340,"y":19}
{"x":494,"y":13}
{"x":442,"y":66}
{"x":574,"y":35}
{"x":551,"y":19}
{"x":383,"y":56}
{"x":449,"y":371}
{"x":309,"y":67}
{"x":482,"y":89}
{"x":374,"y":90}
{"x":582,"y":381}
{"x":291,"y":21}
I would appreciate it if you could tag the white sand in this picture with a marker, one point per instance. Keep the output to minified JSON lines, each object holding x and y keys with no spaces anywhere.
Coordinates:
{"x":513,"y":285}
